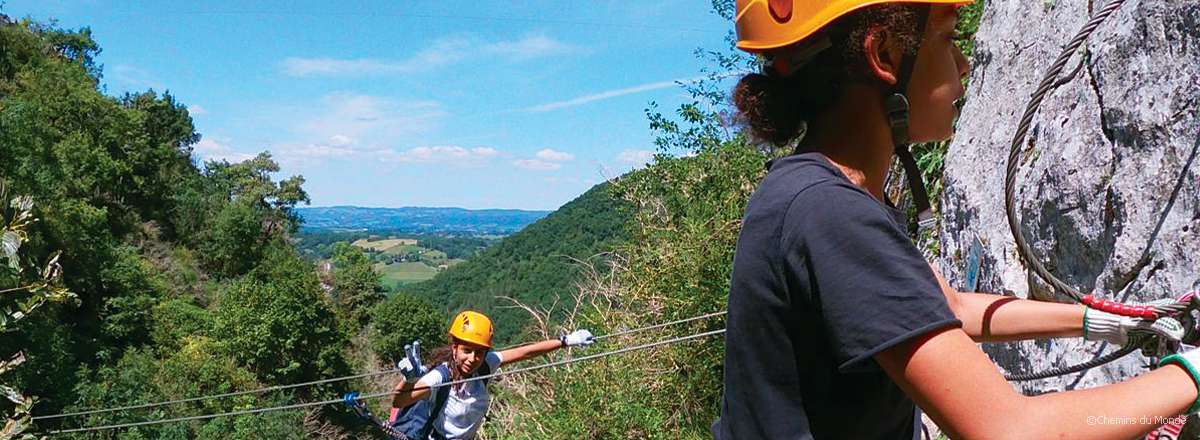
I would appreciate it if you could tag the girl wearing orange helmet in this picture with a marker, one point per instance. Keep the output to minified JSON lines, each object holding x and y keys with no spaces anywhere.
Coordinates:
{"x":837,"y":327}
{"x":461,"y":408}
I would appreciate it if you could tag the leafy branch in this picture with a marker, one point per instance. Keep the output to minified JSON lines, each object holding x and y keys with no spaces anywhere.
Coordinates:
{"x":20,"y":296}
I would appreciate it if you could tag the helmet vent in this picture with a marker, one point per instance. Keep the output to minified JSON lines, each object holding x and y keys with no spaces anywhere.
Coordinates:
{"x":781,"y":10}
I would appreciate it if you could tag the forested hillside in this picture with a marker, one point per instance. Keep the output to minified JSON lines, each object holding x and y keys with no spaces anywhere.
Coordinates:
{"x":185,"y":280}
{"x":537,"y":266}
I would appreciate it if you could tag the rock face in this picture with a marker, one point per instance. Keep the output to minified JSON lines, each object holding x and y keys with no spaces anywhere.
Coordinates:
{"x":1107,"y":189}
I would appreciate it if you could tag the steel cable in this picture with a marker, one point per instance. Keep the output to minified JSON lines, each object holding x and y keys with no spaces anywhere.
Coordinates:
{"x":318,"y":382}
{"x":389,"y":393}
{"x":1014,"y":154}
{"x":1061,"y":371}
{"x":1049,"y":82}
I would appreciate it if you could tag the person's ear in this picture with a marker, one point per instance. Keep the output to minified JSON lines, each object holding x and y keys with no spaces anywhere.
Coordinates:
{"x":883,"y":57}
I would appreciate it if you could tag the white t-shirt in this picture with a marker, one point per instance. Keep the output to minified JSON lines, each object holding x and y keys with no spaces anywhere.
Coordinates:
{"x":465,"y":407}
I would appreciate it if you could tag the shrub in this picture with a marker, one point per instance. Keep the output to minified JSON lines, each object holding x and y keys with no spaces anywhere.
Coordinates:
{"x":401,"y":319}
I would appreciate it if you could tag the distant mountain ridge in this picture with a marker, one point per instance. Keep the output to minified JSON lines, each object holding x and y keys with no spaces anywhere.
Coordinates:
{"x":419,"y":219}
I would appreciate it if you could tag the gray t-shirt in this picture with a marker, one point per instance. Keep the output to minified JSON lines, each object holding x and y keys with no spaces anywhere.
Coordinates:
{"x":824,"y":278}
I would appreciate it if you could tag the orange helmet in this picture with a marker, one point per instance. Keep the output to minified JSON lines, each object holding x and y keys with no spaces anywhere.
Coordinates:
{"x":763,"y":25}
{"x":473,"y":327}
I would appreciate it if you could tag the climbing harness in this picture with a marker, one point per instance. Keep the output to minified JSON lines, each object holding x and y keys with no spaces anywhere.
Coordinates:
{"x":361,"y":398}
{"x":1181,"y":309}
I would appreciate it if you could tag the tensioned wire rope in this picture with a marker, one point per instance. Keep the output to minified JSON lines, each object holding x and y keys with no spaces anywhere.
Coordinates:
{"x":1050,"y":82}
{"x":330,"y":380}
{"x":390,"y":393}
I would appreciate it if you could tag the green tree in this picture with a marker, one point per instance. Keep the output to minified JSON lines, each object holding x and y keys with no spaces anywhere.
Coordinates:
{"x":278,"y":322}
{"x":162,"y":253}
{"x":402,"y":319}
{"x":251,"y":211}
{"x":88,"y":160}
{"x":355,"y":285}
{"x":177,"y":320}
{"x":198,"y":367}
{"x":165,"y":129}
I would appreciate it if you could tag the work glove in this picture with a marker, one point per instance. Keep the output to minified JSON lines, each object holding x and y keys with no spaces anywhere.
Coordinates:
{"x":411,"y":366}
{"x":1099,"y":325}
{"x":577,"y":337}
{"x":1190,"y":361}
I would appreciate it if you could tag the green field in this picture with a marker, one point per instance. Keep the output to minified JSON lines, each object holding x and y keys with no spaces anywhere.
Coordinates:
{"x":403,"y":249}
{"x":394,"y":275}
{"x":398,"y":274}
{"x":382,"y":245}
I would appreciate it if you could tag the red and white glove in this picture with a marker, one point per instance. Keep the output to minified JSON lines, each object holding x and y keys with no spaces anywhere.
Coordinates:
{"x":1099,"y":325}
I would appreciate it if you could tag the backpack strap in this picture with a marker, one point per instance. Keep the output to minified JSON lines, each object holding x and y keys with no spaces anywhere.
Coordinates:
{"x":440,"y":396}
{"x":443,"y":394}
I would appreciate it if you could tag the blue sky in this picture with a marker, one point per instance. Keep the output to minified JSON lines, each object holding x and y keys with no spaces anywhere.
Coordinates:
{"x":405,"y":103}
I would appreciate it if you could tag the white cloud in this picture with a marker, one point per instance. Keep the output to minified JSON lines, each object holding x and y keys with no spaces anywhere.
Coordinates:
{"x":350,"y":126}
{"x":606,"y":95}
{"x":308,"y":153}
{"x":295,"y":66}
{"x":441,"y":53}
{"x":530,"y":47}
{"x":196,"y":110}
{"x":537,"y":164}
{"x":342,"y":119}
{"x":340,"y":140}
{"x":544,"y":160}
{"x":554,"y":156}
{"x":635,"y":157}
{"x":448,"y":154}
{"x":210,"y":149}
{"x":317,"y":151}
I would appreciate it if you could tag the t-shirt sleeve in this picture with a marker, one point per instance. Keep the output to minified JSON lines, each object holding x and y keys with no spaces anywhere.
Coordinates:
{"x":869,"y":283}
{"x":432,"y":378}
{"x":494,"y":360}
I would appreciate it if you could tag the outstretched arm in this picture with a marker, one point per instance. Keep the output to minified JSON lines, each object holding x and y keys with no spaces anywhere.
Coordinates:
{"x":530,"y":351}
{"x":949,"y":377}
{"x":578,"y":337}
{"x":997,"y":318}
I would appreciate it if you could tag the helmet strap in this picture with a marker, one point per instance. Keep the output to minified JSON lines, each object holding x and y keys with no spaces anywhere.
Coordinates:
{"x":897,"y":110}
